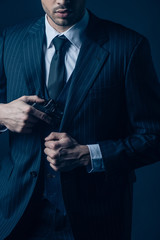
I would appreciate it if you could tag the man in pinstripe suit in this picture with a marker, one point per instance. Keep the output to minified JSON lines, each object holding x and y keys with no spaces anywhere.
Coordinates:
{"x":75,"y":182}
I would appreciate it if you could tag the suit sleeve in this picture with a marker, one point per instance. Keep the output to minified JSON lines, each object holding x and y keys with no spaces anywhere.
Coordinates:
{"x":2,"y":77}
{"x":2,"y":72}
{"x":142,"y":91}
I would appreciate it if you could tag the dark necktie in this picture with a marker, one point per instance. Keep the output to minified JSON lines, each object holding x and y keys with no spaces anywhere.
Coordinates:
{"x":56,"y":79}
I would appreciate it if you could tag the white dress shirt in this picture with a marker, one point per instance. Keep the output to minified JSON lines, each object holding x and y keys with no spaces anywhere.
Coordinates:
{"x":76,"y":36}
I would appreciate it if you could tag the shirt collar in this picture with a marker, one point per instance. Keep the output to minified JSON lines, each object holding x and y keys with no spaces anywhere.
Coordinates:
{"x":74,"y":34}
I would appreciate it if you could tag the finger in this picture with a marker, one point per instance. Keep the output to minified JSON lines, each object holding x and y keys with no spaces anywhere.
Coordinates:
{"x":55,"y":168}
{"x":57,"y":145}
{"x":61,"y":161}
{"x":41,"y":115}
{"x":55,"y":136}
{"x":51,"y":153}
{"x":53,"y":161}
{"x":31,"y":99}
{"x":54,"y":145}
{"x":28,"y":119}
{"x":67,"y":143}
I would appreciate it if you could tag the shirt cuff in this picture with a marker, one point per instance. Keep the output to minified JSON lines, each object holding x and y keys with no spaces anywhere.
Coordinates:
{"x":97,"y":164}
{"x":3,"y":129}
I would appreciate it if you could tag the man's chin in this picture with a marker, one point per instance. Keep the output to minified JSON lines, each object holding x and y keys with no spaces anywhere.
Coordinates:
{"x":63,"y":22}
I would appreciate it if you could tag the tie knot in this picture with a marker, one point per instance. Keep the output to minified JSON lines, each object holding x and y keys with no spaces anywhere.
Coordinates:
{"x":59,"y":42}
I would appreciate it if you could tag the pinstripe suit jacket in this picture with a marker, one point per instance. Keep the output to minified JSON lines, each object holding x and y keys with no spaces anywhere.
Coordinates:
{"x":113,"y":100}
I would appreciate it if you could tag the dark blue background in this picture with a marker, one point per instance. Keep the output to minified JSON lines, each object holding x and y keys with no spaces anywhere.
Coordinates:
{"x":144,"y":17}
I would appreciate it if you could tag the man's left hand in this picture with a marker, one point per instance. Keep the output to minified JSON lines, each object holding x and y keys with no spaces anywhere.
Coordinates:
{"x":64,"y":153}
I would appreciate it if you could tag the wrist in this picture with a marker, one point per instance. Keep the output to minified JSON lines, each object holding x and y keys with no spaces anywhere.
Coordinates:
{"x":85,"y":155}
{"x":2,"y":114}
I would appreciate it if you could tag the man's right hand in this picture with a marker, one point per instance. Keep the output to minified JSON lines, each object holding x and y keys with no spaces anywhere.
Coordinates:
{"x":19,"y":116}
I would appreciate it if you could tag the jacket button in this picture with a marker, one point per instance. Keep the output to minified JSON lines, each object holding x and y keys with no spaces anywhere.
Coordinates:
{"x":33,"y":174}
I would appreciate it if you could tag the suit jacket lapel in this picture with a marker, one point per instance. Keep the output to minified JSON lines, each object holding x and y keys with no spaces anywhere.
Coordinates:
{"x":32,"y":55}
{"x":90,"y":61}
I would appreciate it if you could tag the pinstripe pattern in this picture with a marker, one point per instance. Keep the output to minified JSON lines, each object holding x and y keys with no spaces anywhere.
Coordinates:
{"x":113,"y":100}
